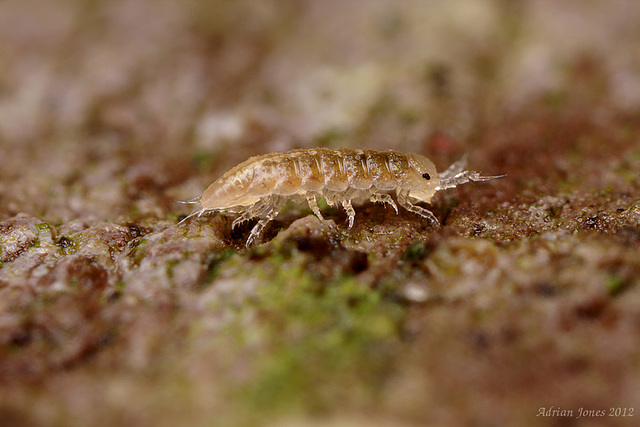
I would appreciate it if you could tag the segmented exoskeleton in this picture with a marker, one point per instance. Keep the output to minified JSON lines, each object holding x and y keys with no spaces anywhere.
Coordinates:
{"x":260,"y":186}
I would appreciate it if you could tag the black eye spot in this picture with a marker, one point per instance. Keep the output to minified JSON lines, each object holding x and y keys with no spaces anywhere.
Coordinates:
{"x":426,"y":176}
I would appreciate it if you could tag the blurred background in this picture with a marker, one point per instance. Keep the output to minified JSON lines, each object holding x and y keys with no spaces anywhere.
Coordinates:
{"x":526,"y":298}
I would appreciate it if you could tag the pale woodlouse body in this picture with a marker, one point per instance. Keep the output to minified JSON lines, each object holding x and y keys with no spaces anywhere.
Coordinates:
{"x":260,"y":186}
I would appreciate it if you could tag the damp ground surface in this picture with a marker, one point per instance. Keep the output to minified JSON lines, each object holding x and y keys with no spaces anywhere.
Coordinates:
{"x":522,"y":308}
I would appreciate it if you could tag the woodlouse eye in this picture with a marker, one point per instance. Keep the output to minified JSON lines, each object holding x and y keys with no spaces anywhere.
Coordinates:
{"x":426,"y":176}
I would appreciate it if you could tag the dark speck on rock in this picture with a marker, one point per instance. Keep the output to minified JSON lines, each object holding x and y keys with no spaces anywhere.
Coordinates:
{"x":591,"y":308}
{"x":546,"y":289}
{"x":135,"y":231}
{"x":479,"y":340}
{"x":318,"y":246}
{"x":64,"y":242}
{"x":591,"y":222}
{"x":478,"y":229}
{"x":20,"y":338}
{"x":576,"y":365}
{"x":358,"y":262}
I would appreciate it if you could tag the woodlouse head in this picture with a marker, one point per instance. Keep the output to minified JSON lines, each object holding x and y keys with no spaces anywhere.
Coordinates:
{"x":425,"y":178}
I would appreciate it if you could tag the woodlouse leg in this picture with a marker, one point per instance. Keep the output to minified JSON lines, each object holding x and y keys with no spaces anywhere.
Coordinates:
{"x":351,"y":213}
{"x":384,"y":198}
{"x":313,"y":205}
{"x":330,"y":198}
{"x":254,"y":211}
{"x":425,"y":213}
{"x":273,"y":206}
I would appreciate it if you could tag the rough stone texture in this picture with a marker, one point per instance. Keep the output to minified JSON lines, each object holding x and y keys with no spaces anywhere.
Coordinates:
{"x":527,"y":297}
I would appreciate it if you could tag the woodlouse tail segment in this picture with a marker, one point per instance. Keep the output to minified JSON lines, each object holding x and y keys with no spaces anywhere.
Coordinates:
{"x":191,"y":201}
{"x":197,"y":213}
{"x":456,"y":175}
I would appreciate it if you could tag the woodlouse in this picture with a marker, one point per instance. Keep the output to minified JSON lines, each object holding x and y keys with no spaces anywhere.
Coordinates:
{"x":260,"y":186}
